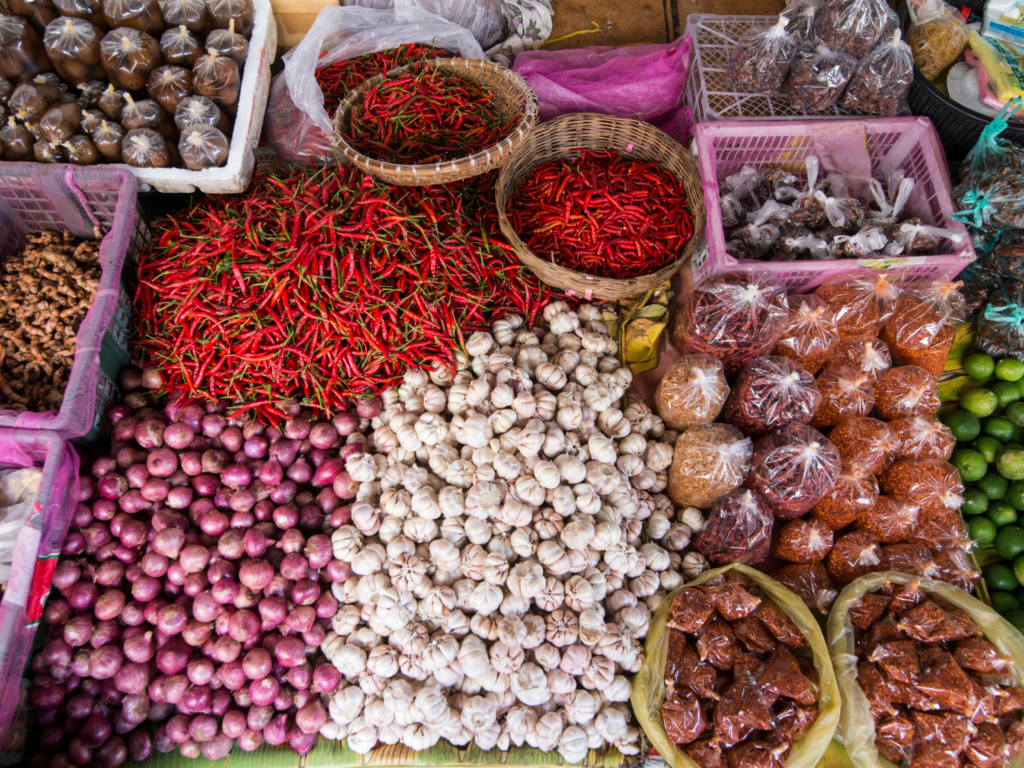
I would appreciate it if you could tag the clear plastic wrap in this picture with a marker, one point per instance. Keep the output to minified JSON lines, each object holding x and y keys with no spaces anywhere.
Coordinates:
{"x":937,"y":43}
{"x":861,"y":304}
{"x":49,"y":152}
{"x":880,"y":83}
{"x":810,"y":582}
{"x":199,"y":110}
{"x":932,"y":485}
{"x":112,"y":103}
{"x":853,"y":555}
{"x":145,"y":148}
{"x":802,"y":541}
{"x":128,"y":57}
{"x":749,"y":185}
{"x":793,"y":468}
{"x":809,"y":205}
{"x":845,"y":393}
{"x":921,"y":330}
{"x":61,"y":121}
{"x":38,"y":13}
{"x":993,"y":198}
{"x":90,"y":92}
{"x":28,"y":103}
{"x":227,"y":42}
{"x":771,"y":392}
{"x":869,"y":356}
{"x":190,"y":14}
{"x":203,"y":146}
{"x":22,"y":55}
{"x":708,"y":461}
{"x":217,"y":77}
{"x":180,"y":47}
{"x":734,"y":317}
{"x":108,"y":138}
{"x":168,"y":86}
{"x":890,"y":520}
{"x":906,"y":391}
{"x":852,"y":495}
{"x":801,"y":15}
{"x":917,"y":239}
{"x":868,"y":242}
{"x":1001,"y":325}
{"x":752,"y":241}
{"x":223,"y":12}
{"x":851,"y":26}
{"x":17,"y":141}
{"x":801,"y":244}
{"x":738,"y":530}
{"x":923,"y":437}
{"x":692,"y":392}
{"x":143,"y":15}
{"x":90,"y":10}
{"x":73,"y":46}
{"x":818,"y":76}
{"x":869,"y":442}
{"x":148,"y":114}
{"x":940,"y":529}
{"x":760,"y":61}
{"x":81,"y":151}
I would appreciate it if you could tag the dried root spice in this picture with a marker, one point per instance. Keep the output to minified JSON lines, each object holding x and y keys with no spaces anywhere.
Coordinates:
{"x":48,"y":287}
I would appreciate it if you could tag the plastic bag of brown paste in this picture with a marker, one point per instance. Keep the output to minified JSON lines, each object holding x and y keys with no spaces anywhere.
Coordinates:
{"x":128,"y":57}
{"x":168,"y":86}
{"x":143,"y":15}
{"x":199,"y":110}
{"x":217,"y":77}
{"x":186,"y":13}
{"x":108,"y":138}
{"x":145,"y":148}
{"x":223,"y":12}
{"x":180,"y":47}
{"x":203,"y":146}
{"x":90,"y":10}
{"x":227,"y":42}
{"x":73,"y":46}
{"x":22,"y":55}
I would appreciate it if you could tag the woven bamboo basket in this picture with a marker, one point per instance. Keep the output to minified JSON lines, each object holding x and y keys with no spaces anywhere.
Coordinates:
{"x":631,"y":138}
{"x":514,"y":97}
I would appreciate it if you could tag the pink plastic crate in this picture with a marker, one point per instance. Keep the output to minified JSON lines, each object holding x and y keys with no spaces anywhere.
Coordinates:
{"x":35,"y":197}
{"x":860,"y":149}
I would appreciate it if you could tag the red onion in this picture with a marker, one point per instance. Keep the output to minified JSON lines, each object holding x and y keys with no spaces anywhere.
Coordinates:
{"x":110,"y":574}
{"x":66,"y":574}
{"x":80,"y":706}
{"x":290,"y":651}
{"x":168,"y":542}
{"x":250,"y":740}
{"x":326,"y":678}
{"x":192,"y":463}
{"x":256,"y":447}
{"x":104,"y":509}
{"x":296,"y":429}
{"x":140,"y":745}
{"x":83,"y":514}
{"x":300,"y":676}
{"x":154,"y":564}
{"x":311,"y":718}
{"x":233,"y":724}
{"x":196,"y":700}
{"x":218,"y":747}
{"x":232,"y":676}
{"x":243,"y":626}
{"x":325,"y":606}
{"x":189,"y":749}
{"x":255,"y":574}
{"x":79,"y":753}
{"x":271,"y":473}
{"x":133,"y":614}
{"x":213,"y":425}
{"x":243,"y":499}
{"x":300,"y":472}
{"x":80,"y":663}
{"x":145,"y":589}
{"x":155,"y":489}
{"x":78,"y":631}
{"x":327,"y":471}
{"x":196,"y":632}
{"x":345,"y":423}
{"x":95,"y":730}
{"x":300,"y":619}
{"x":200,"y":671}
{"x":153,"y":608}
{"x":104,"y":465}
{"x":74,"y":544}
{"x":284,"y":492}
{"x":323,"y":435}
{"x":149,"y":433}
{"x":214,"y":523}
{"x":133,"y":533}
{"x":161,"y":740}
{"x":294,"y":565}
{"x":301,"y":742}
{"x":57,"y":652}
{"x":112,"y":486}
{"x":368,"y":407}
{"x":259,"y":716}
{"x":137,"y":475}
{"x":195,"y":583}
{"x":284,"y":452}
{"x":273,"y":610}
{"x":264,"y":691}
{"x":354,"y":447}
{"x":257,"y":663}
{"x":82,"y":595}
{"x":227,"y":649}
{"x":110,"y":604}
{"x":135,"y":708}
{"x":112,"y":753}
{"x":132,"y":678}
{"x":344,"y":486}
{"x":52,"y":739}
{"x":177,"y":728}
{"x":194,"y":558}
{"x":171,"y":619}
{"x":224,"y":592}
{"x":105,"y":662}
{"x":231,"y":544}
{"x":315,"y":636}
{"x":276,"y":732}
{"x":318,"y":551}
{"x":286,"y":517}
{"x":236,"y":476}
{"x":140,"y":648}
{"x":205,"y":484}
{"x":305,"y":592}
{"x":341,"y":516}
{"x":173,"y":656}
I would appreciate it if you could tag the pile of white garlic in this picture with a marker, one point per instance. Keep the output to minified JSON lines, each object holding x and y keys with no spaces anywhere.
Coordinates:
{"x":500,"y":586}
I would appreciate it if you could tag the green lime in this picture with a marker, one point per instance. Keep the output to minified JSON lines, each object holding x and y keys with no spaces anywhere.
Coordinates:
{"x":1004,"y":602}
{"x":1020,"y":386}
{"x":982,"y":530}
{"x":988,"y":447}
{"x":1015,"y":496}
{"x":971,"y":463}
{"x":979,"y":365}
{"x":999,"y":577}
{"x":1006,"y":393}
{"x":1010,"y":369}
{"x":975,"y":502}
{"x":1002,"y":514}
{"x":1016,"y":618}
{"x":1018,"y":569}
{"x":1015,"y":413}
{"x":1010,"y":463}
{"x":1000,"y":429}
{"x":993,"y":484}
{"x":963,"y":425}
{"x":981,"y":402}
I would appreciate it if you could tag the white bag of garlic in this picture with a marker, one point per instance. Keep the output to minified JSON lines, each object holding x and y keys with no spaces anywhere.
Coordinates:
{"x":501,"y":582}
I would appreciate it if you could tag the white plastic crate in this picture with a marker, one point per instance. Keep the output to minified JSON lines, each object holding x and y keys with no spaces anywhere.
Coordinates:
{"x":252,"y":104}
{"x":708,"y":92}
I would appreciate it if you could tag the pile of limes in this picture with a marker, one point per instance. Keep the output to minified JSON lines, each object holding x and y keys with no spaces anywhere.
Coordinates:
{"x":989,"y":428}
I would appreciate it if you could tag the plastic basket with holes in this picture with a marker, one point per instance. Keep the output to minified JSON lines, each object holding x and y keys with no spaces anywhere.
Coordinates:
{"x":708,"y":92}
{"x":859,"y":150}
{"x":36,"y":197}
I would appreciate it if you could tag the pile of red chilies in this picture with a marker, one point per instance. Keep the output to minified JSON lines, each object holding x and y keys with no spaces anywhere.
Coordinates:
{"x":323,"y":287}
{"x":336,"y":80}
{"x":603,"y":214}
{"x":425,"y":118}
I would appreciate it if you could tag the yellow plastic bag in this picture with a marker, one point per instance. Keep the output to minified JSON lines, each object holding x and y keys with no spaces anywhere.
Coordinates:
{"x":856,"y":723}
{"x":649,"y":683}
{"x":1003,"y":64}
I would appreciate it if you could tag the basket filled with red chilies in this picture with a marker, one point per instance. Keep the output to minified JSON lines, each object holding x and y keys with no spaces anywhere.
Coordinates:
{"x":435,"y":121}
{"x":601,"y":206}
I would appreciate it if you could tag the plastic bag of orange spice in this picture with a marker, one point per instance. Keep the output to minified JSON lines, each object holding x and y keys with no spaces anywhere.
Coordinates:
{"x":852,"y":495}
{"x":845,"y":393}
{"x":906,"y":391}
{"x":869,"y":441}
{"x":861,"y":304}
{"x":921,"y":330}
{"x":870,"y":356}
{"x":810,"y":336}
{"x":650,"y":690}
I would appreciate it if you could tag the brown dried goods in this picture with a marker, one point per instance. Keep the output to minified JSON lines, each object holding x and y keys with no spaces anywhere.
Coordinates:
{"x":810,"y":582}
{"x":695,"y":674}
{"x":852,"y":495}
{"x":979,"y":655}
{"x":716,"y":644}
{"x":684,"y":716}
{"x":933,"y":756}
{"x":746,"y":664}
{"x":890,"y":520}
{"x":793,"y":468}
{"x":954,"y":567}
{"x":895,"y":736}
{"x":945,"y":728}
{"x":870,"y":356}
{"x":906,"y":391}
{"x":877,"y":690}
{"x":898,"y":661}
{"x":906,"y":597}
{"x":732,"y":601}
{"x":922,"y":622}
{"x":845,"y":393}
{"x":868,"y":610}
{"x":692,"y":392}
{"x":987,"y":748}
{"x":939,"y":529}
{"x":779,"y":624}
{"x":929,"y":484}
{"x":782,"y":675}
{"x":690,"y":611}
{"x":949,"y":686}
{"x":755,"y":637}
{"x":674,"y":655}
{"x":923,"y":437}
{"x":708,"y":462}
{"x":909,"y":558}
{"x":802,"y":541}
{"x":810,"y":336}
{"x":852,"y":556}
{"x":771,"y":392}
{"x":707,"y":753}
{"x":755,"y":754}
{"x":861,"y":304}
{"x":741,"y":711}
{"x":865,"y":440}
{"x":797,"y":720}
{"x":738,"y":529}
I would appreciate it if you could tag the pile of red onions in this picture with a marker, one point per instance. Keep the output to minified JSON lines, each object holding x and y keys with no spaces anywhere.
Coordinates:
{"x":195,"y":587}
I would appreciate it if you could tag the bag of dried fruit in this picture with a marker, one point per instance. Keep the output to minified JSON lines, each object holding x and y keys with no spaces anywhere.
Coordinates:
{"x":778,"y":627}
{"x":985,"y":651}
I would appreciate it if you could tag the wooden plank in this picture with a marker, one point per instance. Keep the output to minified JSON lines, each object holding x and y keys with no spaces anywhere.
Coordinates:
{"x":294,"y":18}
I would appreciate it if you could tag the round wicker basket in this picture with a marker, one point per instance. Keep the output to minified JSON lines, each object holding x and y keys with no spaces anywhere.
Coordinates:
{"x":514,"y":97}
{"x":631,"y":138}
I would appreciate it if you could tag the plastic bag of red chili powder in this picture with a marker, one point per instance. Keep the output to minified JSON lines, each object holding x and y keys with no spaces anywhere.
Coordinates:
{"x":923,"y":437}
{"x":735,"y":317}
{"x":929,"y":484}
{"x":907,"y":391}
{"x":870,"y":356}
{"x":810,"y":336}
{"x":865,"y":440}
{"x":921,"y":330}
{"x":811,"y":583}
{"x":890,"y":520}
{"x":771,"y":392}
{"x":852,"y":556}
{"x":852,"y":495}
{"x":845,"y":393}
{"x":861,"y":304}
{"x":738,"y":530}
{"x":802,"y":541}
{"x":793,"y":468}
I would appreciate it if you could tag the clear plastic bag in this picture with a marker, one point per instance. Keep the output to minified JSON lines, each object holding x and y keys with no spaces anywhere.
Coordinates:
{"x":801,"y":15}
{"x":692,"y":392}
{"x":143,"y":15}
{"x":148,"y":114}
{"x":880,"y":83}
{"x":845,"y":393}
{"x":168,"y":86}
{"x":199,"y":110}
{"x":851,"y":26}
{"x":145,"y":148}
{"x":793,"y":468}
{"x":217,"y":77}
{"x":227,"y":42}
{"x":802,"y":541}
{"x":90,"y":92}
{"x":749,"y":185}
{"x":810,"y":336}
{"x":733,"y":212}
{"x":90,"y":10}
{"x":861,"y":304}
{"x":866,"y":243}
{"x":771,"y":392}
{"x":923,"y":437}
{"x":917,"y":239}
{"x":853,"y":494}
{"x":128,"y":57}
{"x":73,"y":46}
{"x":203,"y":146}
{"x":17,"y":141}
{"x":993,"y":150}
{"x":81,"y":151}
{"x":49,"y":152}
{"x":937,"y":43}
{"x":818,"y":76}
{"x":735,"y":317}
{"x":906,"y":391}
{"x":190,"y":14}
{"x":61,"y":121}
{"x":760,"y":61}
{"x":28,"y":103}
{"x":112,"y":103}
{"x":932,"y":485}
{"x":752,"y":241}
{"x":870,"y":356}
{"x":22,"y":55}
{"x":708,"y":462}
{"x":993,"y":198}
{"x":180,"y":47}
{"x":845,"y":212}
{"x":18,"y":490}
{"x":866,"y":441}
{"x":801,"y":245}
{"x":809,"y":205}
{"x":223,"y":12}
{"x":483,"y":18}
{"x":738,"y":530}
{"x":921,"y":330}
{"x":38,"y":13}
{"x":890,"y":521}
{"x":810,"y":582}
{"x":108,"y":138}
{"x":853,"y":555}
{"x":1001,"y":325}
